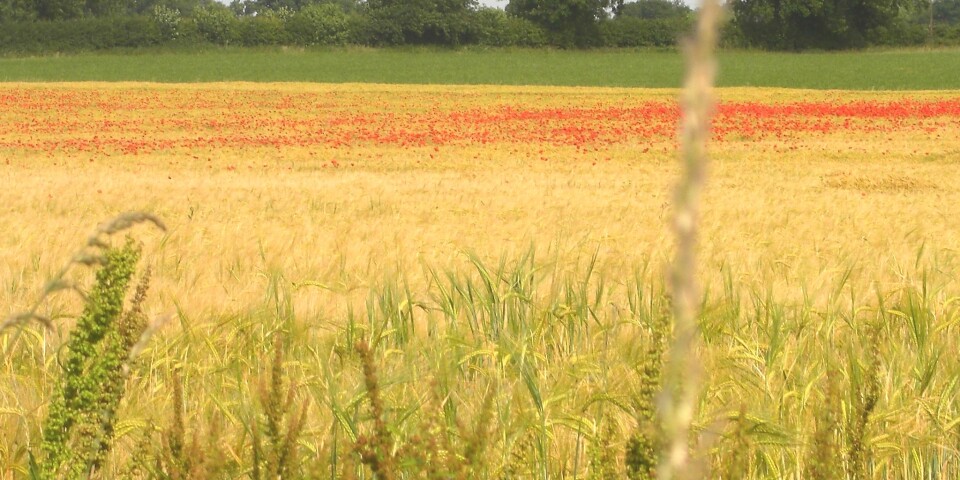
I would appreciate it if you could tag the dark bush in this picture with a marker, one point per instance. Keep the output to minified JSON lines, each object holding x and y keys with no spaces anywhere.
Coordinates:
{"x":265,"y":29}
{"x":79,"y":35}
{"x":627,"y":31}
{"x":323,"y":24}
{"x":497,"y":29}
{"x":424,"y":23}
{"x":217,"y":24}
{"x":655,"y":9}
{"x":376,"y":32}
{"x":446,"y":22}
{"x":949,"y":35}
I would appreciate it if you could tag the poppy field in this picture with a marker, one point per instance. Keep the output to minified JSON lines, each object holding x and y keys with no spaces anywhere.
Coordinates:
{"x":469,"y":280}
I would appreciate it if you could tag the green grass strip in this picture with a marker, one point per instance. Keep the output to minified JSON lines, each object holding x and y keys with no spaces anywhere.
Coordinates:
{"x":865,"y":70}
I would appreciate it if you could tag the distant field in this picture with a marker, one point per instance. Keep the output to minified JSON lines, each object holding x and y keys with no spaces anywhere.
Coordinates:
{"x":872,"y":70}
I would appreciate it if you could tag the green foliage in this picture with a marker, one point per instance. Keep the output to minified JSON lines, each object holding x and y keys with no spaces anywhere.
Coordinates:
{"x":824,"y":461}
{"x":603,"y":454}
{"x":925,"y":22}
{"x":105,"y":8}
{"x":265,"y":29}
{"x":768,"y":24}
{"x":319,"y":24}
{"x":192,"y":449}
{"x":17,"y":11}
{"x":181,"y":456}
{"x":80,"y":34}
{"x":569,"y":22}
{"x":949,"y":35}
{"x":497,"y":29}
{"x":217,"y":24}
{"x":377,"y":450}
{"x":167,"y":21}
{"x":399,"y":22}
{"x":946,"y":11}
{"x":864,"y":374}
{"x":737,"y":463}
{"x":644,"y":446}
{"x":78,"y":431}
{"x":627,"y":31}
{"x":655,"y":10}
{"x":436,"y":452}
{"x":875,"y":70}
{"x":799,"y":24}
{"x":58,"y":9}
{"x":276,"y":433}
{"x":522,"y":368}
{"x":257,"y":7}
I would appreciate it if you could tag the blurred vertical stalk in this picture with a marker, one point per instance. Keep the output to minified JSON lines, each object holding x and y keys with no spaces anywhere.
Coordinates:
{"x":682,"y":379}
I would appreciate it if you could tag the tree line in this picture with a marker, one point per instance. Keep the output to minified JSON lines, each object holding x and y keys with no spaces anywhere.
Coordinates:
{"x":59,"y":25}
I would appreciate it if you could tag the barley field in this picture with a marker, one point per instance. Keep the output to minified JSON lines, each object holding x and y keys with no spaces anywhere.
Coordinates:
{"x":403,"y":281}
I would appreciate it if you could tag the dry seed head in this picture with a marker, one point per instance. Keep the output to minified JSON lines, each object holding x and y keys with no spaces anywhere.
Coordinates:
{"x":152,"y":328}
{"x":125,"y":221}
{"x":18,"y":319}
{"x":177,"y":432}
{"x":376,"y":451}
{"x":96,"y":242}
{"x":132,"y":322}
{"x":824,"y":459}
{"x":89,"y":260}
{"x":59,"y":284}
{"x":697,"y":101}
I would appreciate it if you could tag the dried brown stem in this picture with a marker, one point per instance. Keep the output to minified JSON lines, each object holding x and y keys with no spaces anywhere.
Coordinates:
{"x":683,"y":378}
